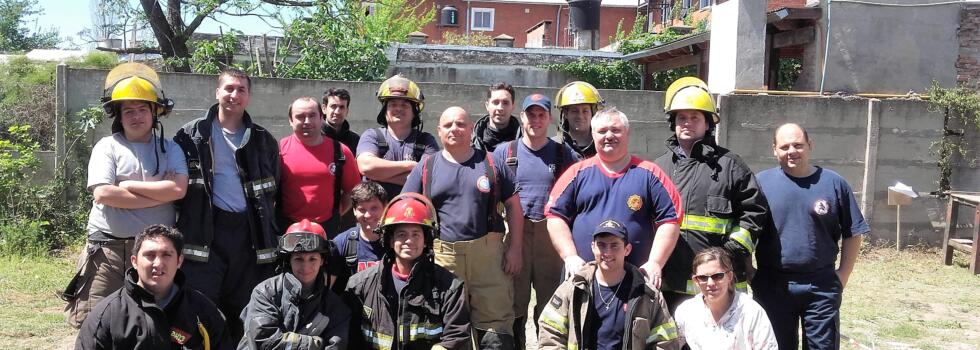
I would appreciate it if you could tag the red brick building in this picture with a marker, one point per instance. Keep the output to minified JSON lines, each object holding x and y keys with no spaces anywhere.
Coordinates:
{"x":532,"y":23}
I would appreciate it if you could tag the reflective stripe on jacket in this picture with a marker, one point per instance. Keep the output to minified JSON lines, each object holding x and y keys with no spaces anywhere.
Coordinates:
{"x":430,"y":311}
{"x":722,"y":203}
{"x":563,"y":319}
{"x":258,"y":164}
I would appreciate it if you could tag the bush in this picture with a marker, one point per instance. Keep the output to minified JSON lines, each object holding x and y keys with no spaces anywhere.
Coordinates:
{"x":22,"y":237}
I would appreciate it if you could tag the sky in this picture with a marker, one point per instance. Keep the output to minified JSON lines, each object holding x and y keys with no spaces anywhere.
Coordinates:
{"x":72,"y":16}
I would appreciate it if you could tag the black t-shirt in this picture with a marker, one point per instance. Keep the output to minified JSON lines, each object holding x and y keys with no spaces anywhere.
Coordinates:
{"x":609,"y":304}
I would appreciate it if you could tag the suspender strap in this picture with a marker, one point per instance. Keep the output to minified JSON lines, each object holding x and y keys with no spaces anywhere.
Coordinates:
{"x":379,"y":134}
{"x":511,"y":157}
{"x":350,"y":253}
{"x":427,"y":165}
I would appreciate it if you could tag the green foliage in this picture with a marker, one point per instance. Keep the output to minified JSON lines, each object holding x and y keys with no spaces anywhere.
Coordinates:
{"x":339,"y":40}
{"x":624,"y":74}
{"x":473,"y":39}
{"x":620,"y":74}
{"x":36,"y":216}
{"x":661,"y":80}
{"x":789,"y":71}
{"x":210,"y":56}
{"x":27,"y":93}
{"x":961,"y":109}
{"x":14,"y":34}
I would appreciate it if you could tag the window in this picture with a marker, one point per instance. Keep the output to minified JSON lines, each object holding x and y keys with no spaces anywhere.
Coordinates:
{"x":481,"y":19}
{"x":705,"y":3}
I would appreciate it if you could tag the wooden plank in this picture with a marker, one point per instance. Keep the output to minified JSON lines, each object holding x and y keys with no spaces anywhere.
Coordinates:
{"x":794,"y":37}
{"x":676,"y":62}
{"x":952,"y":209}
{"x":975,"y":262}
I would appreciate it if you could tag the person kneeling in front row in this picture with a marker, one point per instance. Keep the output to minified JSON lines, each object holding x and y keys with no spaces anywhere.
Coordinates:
{"x":154,"y":310}
{"x":607,"y":304}
{"x":407,"y":301}
{"x":296,"y":309}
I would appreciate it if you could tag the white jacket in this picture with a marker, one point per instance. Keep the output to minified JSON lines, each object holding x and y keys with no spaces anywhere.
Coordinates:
{"x":745,"y":326}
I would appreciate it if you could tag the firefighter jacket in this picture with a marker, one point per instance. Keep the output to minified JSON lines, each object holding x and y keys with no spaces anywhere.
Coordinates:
{"x":280,"y":316}
{"x":258,"y":166}
{"x":563,"y":320}
{"x":430,"y":312}
{"x":723,"y":207}
{"x":130,"y":319}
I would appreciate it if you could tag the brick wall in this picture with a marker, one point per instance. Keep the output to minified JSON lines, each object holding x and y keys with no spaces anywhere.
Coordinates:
{"x":515,"y":19}
{"x":968,"y":61}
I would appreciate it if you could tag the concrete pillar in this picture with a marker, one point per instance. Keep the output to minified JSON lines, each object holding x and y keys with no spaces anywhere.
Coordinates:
{"x":738,"y":46}
{"x":586,"y":39}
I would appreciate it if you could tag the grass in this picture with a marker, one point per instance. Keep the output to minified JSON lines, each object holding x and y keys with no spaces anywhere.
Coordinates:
{"x":894,"y":300}
{"x":30,"y":311}
{"x":910,"y":300}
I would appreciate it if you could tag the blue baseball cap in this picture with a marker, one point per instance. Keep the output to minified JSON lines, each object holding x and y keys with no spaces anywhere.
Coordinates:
{"x":537,"y":100}
{"x":612,"y":227}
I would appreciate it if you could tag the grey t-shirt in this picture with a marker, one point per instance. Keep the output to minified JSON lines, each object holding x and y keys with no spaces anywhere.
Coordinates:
{"x":228,"y":192}
{"x":115,"y":159}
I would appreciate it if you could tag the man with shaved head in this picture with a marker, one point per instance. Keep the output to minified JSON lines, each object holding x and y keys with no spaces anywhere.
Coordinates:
{"x":813,"y":209}
{"x":466,"y":186}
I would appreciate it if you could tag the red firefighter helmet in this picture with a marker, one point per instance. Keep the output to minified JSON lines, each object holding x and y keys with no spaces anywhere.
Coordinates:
{"x":304,"y":236}
{"x":409,"y":208}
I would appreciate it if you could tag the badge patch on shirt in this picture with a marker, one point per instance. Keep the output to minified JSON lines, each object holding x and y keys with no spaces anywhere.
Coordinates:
{"x":483,"y":184}
{"x":179,"y":336}
{"x":333,"y":168}
{"x":634,"y":202}
{"x":821,"y":207}
{"x":556,"y":302}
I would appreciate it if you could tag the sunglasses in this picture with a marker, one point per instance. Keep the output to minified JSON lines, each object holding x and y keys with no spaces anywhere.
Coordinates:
{"x":715,"y":277}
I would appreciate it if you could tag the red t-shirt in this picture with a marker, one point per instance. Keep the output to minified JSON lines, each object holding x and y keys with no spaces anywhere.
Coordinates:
{"x":308,"y":178}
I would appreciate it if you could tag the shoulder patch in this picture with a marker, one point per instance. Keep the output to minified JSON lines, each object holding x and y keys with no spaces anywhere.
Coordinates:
{"x":555,"y":301}
{"x":179,"y":336}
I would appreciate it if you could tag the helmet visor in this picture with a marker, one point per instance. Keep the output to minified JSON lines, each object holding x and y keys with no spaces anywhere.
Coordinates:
{"x":302,"y":242}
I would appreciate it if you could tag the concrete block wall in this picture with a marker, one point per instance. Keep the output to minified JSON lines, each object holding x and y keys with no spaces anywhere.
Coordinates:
{"x":871,"y":143}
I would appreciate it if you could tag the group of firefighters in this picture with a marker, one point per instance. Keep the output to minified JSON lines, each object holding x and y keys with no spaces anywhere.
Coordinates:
{"x":394,"y":238}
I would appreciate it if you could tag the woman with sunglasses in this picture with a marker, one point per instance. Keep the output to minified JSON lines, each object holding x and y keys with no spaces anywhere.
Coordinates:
{"x":720,"y":317}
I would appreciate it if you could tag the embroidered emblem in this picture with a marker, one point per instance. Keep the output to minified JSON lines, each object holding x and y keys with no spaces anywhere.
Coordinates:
{"x":553,"y":168}
{"x":483,"y":184}
{"x":179,"y":336}
{"x":333,"y":168}
{"x":556,"y":302}
{"x":366,"y":311}
{"x":634,"y":202}
{"x":409,"y":213}
{"x":821,"y":207}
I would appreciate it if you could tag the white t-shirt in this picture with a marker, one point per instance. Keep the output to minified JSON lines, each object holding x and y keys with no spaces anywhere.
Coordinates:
{"x":115,"y":159}
{"x":745,"y":326}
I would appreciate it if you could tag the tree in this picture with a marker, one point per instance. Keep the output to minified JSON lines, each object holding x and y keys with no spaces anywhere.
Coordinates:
{"x":174,"y":21}
{"x":345,"y":40}
{"x":14,"y":34}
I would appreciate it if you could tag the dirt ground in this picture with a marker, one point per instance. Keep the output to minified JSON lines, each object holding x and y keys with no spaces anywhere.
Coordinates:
{"x":894,"y":300}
